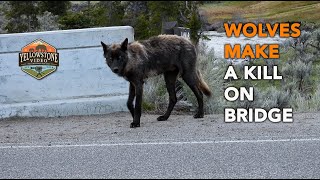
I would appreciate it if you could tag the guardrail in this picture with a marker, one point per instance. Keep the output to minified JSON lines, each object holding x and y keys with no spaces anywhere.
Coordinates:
{"x":81,"y":85}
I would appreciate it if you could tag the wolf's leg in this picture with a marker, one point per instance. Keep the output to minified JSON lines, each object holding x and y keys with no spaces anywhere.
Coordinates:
{"x":131,"y":98}
{"x":170,"y":77}
{"x":137,"y":107}
{"x":192,"y":80}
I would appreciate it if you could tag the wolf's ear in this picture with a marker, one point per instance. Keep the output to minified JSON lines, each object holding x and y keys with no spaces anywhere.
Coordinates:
{"x":105,"y":47}
{"x":124,"y":44}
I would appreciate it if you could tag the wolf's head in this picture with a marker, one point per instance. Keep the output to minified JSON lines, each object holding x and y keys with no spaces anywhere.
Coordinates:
{"x":116,"y":56}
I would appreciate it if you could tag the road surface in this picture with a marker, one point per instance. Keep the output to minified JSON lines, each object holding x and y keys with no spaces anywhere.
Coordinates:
{"x":103,"y":146}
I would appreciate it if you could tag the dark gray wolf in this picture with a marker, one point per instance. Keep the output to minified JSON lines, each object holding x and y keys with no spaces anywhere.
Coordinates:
{"x":170,"y":55}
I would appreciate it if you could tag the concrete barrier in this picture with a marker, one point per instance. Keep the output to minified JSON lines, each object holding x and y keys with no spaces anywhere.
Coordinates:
{"x":81,"y":85}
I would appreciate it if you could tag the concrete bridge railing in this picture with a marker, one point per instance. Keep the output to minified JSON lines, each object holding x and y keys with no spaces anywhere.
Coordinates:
{"x":81,"y":85}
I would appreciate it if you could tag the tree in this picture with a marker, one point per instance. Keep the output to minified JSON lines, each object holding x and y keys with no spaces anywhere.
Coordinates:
{"x":186,"y":13}
{"x":142,"y":30}
{"x":195,"y":25}
{"x":162,"y":11}
{"x":115,"y":11}
{"x":48,"y":22}
{"x":190,"y":17}
{"x":3,"y":20}
{"x":55,"y":7}
{"x":92,"y":17}
{"x":22,"y":16}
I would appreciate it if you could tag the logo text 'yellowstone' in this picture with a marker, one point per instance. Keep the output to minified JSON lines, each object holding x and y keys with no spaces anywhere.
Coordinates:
{"x":38,"y":59}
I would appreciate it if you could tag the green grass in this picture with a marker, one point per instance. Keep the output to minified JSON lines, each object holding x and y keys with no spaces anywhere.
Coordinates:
{"x":34,"y":73}
{"x":148,"y":106}
{"x":268,"y":10}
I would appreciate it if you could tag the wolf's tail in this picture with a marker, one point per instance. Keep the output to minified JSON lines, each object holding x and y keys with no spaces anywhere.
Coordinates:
{"x":203,"y":85}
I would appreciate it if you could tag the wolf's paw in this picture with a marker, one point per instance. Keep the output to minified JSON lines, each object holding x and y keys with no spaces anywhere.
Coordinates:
{"x":198,"y":115}
{"x":134,"y":125}
{"x":162,"y":118}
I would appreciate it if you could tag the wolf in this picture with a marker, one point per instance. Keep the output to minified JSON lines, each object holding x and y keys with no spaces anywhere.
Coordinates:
{"x":170,"y":55}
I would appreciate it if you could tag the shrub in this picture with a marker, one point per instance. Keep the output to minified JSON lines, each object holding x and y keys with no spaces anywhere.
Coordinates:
{"x":299,"y":88}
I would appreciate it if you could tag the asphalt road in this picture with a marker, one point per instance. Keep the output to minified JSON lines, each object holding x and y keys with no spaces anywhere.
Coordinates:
{"x":182,"y":147}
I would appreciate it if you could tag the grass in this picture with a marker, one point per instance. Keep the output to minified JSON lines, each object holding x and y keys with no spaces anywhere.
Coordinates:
{"x":34,"y":73}
{"x":268,"y":10}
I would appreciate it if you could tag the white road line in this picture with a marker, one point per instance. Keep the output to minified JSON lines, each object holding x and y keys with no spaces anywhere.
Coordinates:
{"x":158,"y":143}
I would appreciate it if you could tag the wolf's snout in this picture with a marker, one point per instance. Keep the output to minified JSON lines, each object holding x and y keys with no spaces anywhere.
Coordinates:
{"x":115,"y":70}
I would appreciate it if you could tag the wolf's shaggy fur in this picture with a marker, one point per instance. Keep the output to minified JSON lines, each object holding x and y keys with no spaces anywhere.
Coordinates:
{"x":170,"y":55}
